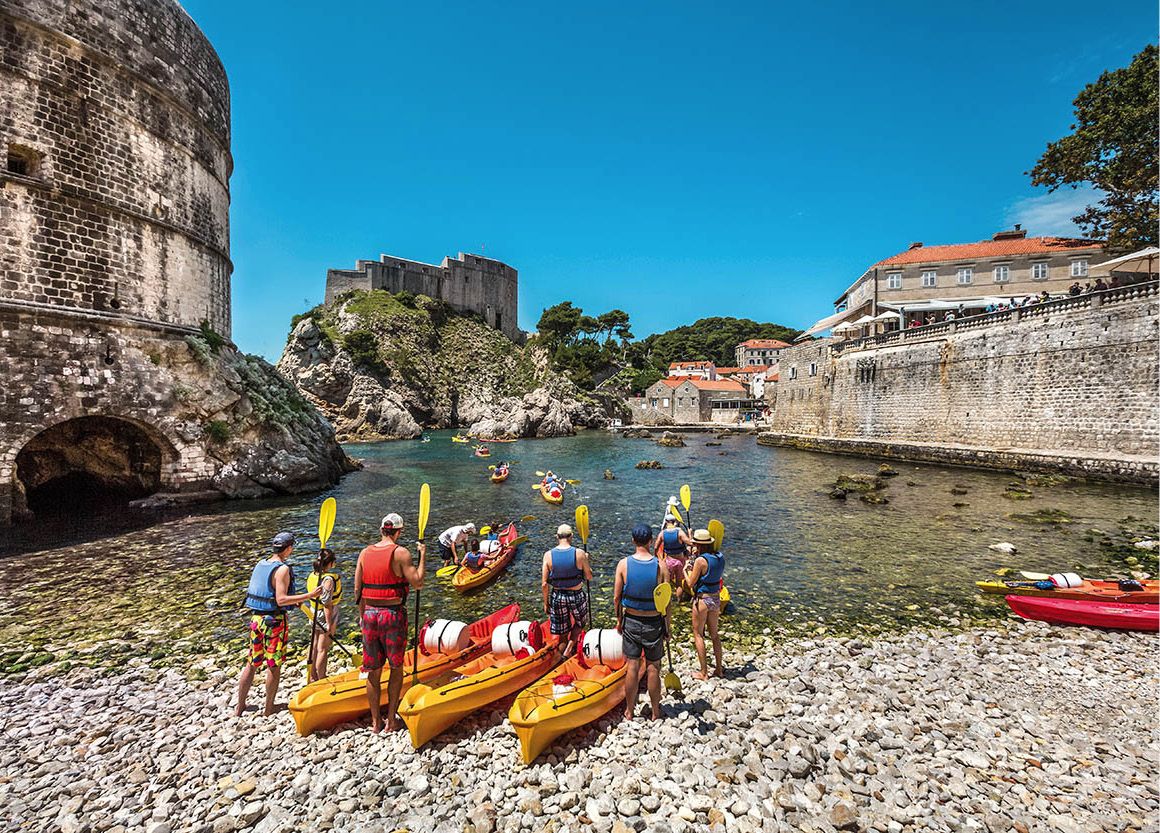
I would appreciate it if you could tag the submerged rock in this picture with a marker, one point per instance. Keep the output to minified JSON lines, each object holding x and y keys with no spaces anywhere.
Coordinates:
{"x":671,"y":440}
{"x":649,"y":464}
{"x":1004,"y":547}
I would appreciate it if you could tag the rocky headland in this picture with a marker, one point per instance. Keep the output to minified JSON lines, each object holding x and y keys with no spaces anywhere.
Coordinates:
{"x":384,"y":366}
{"x":1020,"y":728}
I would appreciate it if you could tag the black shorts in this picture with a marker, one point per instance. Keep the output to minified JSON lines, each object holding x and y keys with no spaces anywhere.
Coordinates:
{"x":445,"y":552}
{"x":643,"y":634}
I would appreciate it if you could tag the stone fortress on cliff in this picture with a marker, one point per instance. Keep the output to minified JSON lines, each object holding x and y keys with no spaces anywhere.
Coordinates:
{"x":114,"y":250}
{"x":468,"y":283}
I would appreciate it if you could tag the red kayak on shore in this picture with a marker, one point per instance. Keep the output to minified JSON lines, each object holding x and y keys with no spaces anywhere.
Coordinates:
{"x":1131,"y":617}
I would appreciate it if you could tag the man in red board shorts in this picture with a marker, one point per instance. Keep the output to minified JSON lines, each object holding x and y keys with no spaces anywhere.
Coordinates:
{"x":382,"y":577}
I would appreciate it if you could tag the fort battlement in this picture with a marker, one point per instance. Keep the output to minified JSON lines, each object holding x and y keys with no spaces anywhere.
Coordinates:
{"x":468,"y":283}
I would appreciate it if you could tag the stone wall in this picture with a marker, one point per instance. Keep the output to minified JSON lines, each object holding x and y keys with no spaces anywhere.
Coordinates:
{"x":122,"y":109}
{"x":468,"y":283}
{"x":1077,"y":376}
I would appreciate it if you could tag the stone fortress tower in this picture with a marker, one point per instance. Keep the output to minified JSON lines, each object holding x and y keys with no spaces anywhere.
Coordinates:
{"x":114,"y":248}
{"x":468,"y":283}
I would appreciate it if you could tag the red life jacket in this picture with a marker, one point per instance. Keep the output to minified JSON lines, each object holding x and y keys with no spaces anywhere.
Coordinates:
{"x":381,"y":585}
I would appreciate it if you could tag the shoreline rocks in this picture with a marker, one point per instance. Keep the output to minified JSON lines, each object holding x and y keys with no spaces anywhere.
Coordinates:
{"x":1035,"y":728}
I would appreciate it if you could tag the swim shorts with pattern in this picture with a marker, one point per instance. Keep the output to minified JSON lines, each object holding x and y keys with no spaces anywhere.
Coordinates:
{"x":384,"y":631}
{"x":268,"y":638}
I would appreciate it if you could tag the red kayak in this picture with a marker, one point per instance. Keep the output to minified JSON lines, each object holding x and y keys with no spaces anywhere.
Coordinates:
{"x":1129,"y":617}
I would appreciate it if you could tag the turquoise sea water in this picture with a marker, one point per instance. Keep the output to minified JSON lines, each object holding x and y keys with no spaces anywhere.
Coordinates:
{"x":795,"y":556}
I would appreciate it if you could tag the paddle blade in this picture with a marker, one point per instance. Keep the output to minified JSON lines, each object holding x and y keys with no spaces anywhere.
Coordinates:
{"x":573,"y":482}
{"x":527,"y":519}
{"x":724,"y":596}
{"x":539,"y":474}
{"x":523,"y":539}
{"x":686,"y":497}
{"x":491,"y":468}
{"x":672,"y":682}
{"x":424,"y":508}
{"x":1034,"y":576}
{"x":582,"y":523}
{"x":717,"y":532}
{"x":672,"y":510}
{"x":662,"y":595}
{"x":449,"y":570}
{"x":326,"y":520}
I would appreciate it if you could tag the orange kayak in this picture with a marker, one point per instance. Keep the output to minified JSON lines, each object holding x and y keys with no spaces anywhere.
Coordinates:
{"x":1107,"y":591}
{"x":343,"y":697}
{"x":466,"y":579}
{"x":496,"y":477}
{"x":433,"y":707}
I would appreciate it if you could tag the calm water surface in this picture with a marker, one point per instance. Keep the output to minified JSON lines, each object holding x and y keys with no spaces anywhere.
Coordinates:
{"x":171,"y":585}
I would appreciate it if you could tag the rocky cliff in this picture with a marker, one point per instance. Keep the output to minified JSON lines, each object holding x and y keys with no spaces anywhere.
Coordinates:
{"x":382,"y":366}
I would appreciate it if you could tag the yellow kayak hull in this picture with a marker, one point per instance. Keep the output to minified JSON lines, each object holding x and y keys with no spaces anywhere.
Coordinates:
{"x":466,"y":579}
{"x":548,"y":496}
{"x":458,"y":440}
{"x":430,"y":709}
{"x":341,"y":698}
{"x":539,"y":717}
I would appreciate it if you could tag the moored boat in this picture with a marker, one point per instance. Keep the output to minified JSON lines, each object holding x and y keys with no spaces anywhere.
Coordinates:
{"x":342,"y":697}
{"x":433,"y":707}
{"x":466,"y":579}
{"x":544,"y":710}
{"x":1100,"y":614}
{"x":1109,"y":591}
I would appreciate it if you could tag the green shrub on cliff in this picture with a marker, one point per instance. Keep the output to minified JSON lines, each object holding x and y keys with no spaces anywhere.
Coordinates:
{"x":363,"y":348}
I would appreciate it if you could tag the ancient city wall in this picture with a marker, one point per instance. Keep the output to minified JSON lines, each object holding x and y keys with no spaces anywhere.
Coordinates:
{"x":1076,"y":379}
{"x":468,"y":283}
{"x":120,"y":113}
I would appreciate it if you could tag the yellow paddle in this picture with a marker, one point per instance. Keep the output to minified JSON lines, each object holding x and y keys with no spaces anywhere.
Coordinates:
{"x":673,"y":511}
{"x":424,"y":513}
{"x":582,"y":528}
{"x":1034,"y":576}
{"x":325,"y":527}
{"x":717,"y":533}
{"x":662,"y":595}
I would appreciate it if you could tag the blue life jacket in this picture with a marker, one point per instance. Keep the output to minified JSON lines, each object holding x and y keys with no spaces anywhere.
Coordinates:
{"x":493,"y":536}
{"x":260,"y":595}
{"x":639,"y":584}
{"x":563,"y":572}
{"x":671,"y":540}
{"x":472,"y":560}
{"x":711,"y":581}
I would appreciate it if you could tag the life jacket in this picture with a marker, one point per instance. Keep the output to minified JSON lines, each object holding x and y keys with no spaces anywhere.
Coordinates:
{"x":312,"y":582}
{"x":380,"y":584}
{"x":671,"y":540}
{"x":639,"y":585}
{"x":472,"y":560}
{"x":711,"y":581}
{"x":260,"y":594}
{"x":563,"y":572}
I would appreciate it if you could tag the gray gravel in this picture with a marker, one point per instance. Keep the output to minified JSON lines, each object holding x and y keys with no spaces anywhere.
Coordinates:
{"x":1034,"y":729}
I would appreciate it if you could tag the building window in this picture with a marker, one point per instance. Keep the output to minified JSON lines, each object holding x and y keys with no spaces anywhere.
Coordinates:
{"x":1002,"y":274}
{"x":813,"y":368}
{"x":966,"y":275}
{"x":930,"y":278}
{"x":499,"y":320}
{"x":1038,"y":271}
{"x":1079,"y":268}
{"x":894,"y":280}
{"x":793,"y":372}
{"x":653,"y":402}
{"x":23,"y":161}
{"x":665,"y":402}
{"x":681,"y":400}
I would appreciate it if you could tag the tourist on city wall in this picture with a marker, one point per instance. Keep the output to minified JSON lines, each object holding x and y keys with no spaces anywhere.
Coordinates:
{"x":642,"y":627}
{"x":1074,"y":289}
{"x":562,"y":573}
{"x":269,"y":597}
{"x":1099,"y":286}
{"x":324,"y":610}
{"x":704,"y":582}
{"x":383,"y":575}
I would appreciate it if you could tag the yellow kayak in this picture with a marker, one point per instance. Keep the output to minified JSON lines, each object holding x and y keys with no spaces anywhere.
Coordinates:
{"x":554,"y":495}
{"x":460,"y":439}
{"x":431,"y":708}
{"x":466,"y":579}
{"x":343,"y":697}
{"x":540,"y":715}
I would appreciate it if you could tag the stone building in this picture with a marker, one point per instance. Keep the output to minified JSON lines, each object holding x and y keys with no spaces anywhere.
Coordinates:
{"x":1068,"y":385}
{"x":700,"y":369}
{"x":469,"y":283}
{"x":1009,"y":264}
{"x":688,"y":400}
{"x":114,"y":250}
{"x":759,"y":351}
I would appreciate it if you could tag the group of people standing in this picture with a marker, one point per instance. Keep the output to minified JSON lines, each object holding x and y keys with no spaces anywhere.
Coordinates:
{"x":385,"y":573}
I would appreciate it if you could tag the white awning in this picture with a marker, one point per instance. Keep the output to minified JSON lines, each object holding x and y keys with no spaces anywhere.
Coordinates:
{"x":889,"y":315}
{"x":1141,"y":261}
{"x":865,"y":319}
{"x":826,"y":323}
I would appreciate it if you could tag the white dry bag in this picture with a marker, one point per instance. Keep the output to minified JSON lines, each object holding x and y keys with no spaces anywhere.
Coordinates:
{"x":1065,"y":580}
{"x":602,"y":647}
{"x":509,"y":640}
{"x":443,"y":636}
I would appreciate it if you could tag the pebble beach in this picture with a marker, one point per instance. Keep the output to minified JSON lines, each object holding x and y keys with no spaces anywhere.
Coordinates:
{"x":1020,"y":728}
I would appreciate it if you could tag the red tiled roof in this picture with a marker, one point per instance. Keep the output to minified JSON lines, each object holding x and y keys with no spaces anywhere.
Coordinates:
{"x":763,"y":343}
{"x":677,"y":365}
{"x":725,"y":371}
{"x":716,"y":384}
{"x":772,"y":378}
{"x":674,"y":381}
{"x":988,"y":248}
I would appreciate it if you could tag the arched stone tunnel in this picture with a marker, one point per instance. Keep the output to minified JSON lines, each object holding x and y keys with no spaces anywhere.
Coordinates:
{"x":88,"y":464}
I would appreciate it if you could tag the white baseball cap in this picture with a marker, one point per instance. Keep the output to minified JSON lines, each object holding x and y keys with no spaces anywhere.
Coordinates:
{"x":392,"y":521}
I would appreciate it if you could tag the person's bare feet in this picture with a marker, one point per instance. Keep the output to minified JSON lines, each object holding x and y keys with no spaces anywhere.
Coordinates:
{"x":720,"y":672}
{"x":628,"y":717}
{"x":377,"y":727}
{"x":394,"y":725}
{"x":699,"y":675}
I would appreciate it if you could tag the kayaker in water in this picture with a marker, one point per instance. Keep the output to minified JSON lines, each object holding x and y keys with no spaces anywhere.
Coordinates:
{"x":325,"y":608}
{"x":473,"y":557}
{"x":564,"y":570}
{"x":451,"y":539}
{"x":551,"y":481}
{"x":269,"y":597}
{"x":490,"y":541}
{"x":382,"y":577}
{"x":704,"y":582}
{"x":641,"y":625}
{"x":673,"y":544}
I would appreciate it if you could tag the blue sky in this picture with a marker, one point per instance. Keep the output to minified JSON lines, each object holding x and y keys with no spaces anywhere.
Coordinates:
{"x":675,"y":160}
